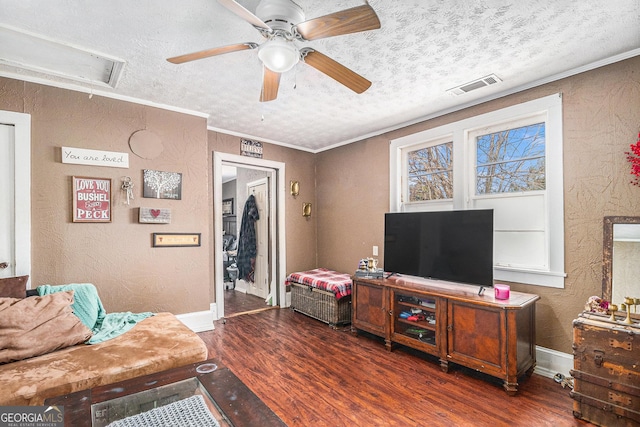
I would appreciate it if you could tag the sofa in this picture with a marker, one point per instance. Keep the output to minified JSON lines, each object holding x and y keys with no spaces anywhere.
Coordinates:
{"x":43,"y":352}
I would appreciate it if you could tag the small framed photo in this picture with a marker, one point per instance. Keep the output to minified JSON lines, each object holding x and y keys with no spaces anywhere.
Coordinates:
{"x":227,"y":207}
{"x":91,"y":199}
{"x":168,"y":240}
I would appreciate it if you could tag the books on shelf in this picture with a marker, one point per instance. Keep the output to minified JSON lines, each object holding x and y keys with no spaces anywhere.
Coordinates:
{"x":428,"y":303}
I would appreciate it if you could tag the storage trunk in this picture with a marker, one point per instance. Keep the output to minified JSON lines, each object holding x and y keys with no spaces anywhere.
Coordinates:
{"x":606,"y":361}
{"x":321,"y":305}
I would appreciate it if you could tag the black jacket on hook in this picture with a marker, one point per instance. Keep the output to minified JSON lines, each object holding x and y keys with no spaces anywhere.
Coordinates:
{"x":247,"y":249}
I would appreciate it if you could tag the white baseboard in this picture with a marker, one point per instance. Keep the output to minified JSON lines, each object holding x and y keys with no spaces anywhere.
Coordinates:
{"x":214,"y":310}
{"x":550,"y":362}
{"x":199,"y":321}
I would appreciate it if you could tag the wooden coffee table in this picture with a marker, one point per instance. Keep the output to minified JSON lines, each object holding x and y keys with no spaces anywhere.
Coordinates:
{"x":228,"y":399}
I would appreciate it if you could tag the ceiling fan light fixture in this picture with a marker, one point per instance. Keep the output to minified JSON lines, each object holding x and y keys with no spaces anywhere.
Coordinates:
{"x":279,"y":55}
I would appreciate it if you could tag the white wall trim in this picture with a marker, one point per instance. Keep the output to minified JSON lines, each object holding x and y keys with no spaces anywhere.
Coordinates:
{"x":550,"y":362}
{"x":199,"y":321}
{"x":214,"y":309}
{"x":107,"y":94}
{"x":279,"y":196}
{"x":91,"y":91}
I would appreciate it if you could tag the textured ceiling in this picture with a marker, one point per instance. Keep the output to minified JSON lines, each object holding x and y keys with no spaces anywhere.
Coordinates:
{"x":423,"y":48}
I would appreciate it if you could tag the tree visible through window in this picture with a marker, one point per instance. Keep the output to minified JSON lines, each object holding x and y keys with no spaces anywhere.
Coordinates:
{"x":512,"y":160}
{"x":508,"y":160}
{"x":430,"y":174}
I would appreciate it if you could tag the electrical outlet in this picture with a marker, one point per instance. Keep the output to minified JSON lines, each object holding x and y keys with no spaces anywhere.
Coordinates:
{"x":375,"y":251}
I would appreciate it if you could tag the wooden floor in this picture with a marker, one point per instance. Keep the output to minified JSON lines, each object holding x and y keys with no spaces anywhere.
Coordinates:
{"x":312,"y":375}
{"x":236,"y":302}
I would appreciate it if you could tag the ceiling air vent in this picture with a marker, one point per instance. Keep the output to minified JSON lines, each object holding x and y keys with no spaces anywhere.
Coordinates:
{"x":476,"y":84}
{"x":32,"y":52}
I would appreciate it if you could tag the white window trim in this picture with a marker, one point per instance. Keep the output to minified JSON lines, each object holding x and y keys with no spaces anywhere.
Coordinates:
{"x":550,"y":105}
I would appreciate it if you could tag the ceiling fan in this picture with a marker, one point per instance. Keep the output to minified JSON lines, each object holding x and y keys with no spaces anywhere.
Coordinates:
{"x":282,"y":24}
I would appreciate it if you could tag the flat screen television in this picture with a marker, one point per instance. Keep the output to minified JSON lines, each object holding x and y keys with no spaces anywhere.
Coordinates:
{"x":455,"y":246}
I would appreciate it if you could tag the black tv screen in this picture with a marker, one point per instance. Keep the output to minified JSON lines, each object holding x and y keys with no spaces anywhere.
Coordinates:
{"x":454,"y":246}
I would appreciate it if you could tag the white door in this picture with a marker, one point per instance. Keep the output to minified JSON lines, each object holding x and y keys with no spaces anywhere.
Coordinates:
{"x":15,"y":194}
{"x":7,"y":191}
{"x":260,"y":286}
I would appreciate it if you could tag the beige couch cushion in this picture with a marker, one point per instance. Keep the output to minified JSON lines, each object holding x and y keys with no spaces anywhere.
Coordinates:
{"x":37,"y":325}
{"x":155,"y":344}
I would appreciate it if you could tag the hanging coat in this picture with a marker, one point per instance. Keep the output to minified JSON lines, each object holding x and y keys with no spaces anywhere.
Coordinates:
{"x":247,"y":249}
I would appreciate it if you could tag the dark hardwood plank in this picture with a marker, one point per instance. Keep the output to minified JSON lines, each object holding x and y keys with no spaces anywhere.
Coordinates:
{"x":238,"y":302}
{"x":310,"y":374}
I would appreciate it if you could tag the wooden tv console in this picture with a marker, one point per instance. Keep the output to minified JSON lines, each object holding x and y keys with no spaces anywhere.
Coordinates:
{"x":496,"y":337}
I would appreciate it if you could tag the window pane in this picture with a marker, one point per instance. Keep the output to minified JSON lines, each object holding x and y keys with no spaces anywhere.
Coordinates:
{"x":509,"y":177}
{"x":512,"y":160}
{"x":429,"y":173}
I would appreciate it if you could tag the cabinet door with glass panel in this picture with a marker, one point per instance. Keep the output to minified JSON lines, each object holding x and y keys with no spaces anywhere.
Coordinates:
{"x":418,"y":321}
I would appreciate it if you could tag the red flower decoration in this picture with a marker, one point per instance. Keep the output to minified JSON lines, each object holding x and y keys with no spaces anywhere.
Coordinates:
{"x":633,"y":157}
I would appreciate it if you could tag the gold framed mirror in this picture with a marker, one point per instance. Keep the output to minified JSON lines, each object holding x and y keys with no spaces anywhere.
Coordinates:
{"x":621,"y":249}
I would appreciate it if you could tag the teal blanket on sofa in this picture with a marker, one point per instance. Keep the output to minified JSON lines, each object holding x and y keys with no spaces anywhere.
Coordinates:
{"x":88,"y":307}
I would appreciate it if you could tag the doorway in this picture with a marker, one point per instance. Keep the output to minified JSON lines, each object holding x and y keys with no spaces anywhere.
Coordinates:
{"x":269,"y":177}
{"x":246,"y":188}
{"x":15,"y":194}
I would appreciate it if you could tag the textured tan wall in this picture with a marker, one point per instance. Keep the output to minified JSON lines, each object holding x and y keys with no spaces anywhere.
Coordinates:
{"x":348,"y":186}
{"x":299,"y":166}
{"x":601,"y":111}
{"x":353,"y":195}
{"x":117,"y":257}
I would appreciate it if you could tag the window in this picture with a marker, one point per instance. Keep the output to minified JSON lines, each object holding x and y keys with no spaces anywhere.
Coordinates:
{"x":429,"y":173}
{"x":510,"y":161}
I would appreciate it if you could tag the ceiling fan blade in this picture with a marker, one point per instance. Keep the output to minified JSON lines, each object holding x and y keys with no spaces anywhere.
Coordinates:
{"x":211,"y":52}
{"x":270,"y":85}
{"x":335,"y":70}
{"x":356,"y":19}
{"x":243,"y":13}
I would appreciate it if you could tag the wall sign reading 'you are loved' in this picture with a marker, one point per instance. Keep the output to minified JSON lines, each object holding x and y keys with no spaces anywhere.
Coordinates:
{"x":84,"y":156}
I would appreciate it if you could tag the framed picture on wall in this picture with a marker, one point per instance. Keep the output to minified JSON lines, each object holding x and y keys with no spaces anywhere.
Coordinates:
{"x":227,"y":207}
{"x":91,"y":199}
{"x":173,"y":240}
{"x":162,"y":185}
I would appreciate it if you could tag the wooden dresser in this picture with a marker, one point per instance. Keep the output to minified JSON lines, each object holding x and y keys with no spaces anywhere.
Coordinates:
{"x":606,"y":361}
{"x":454,"y":323}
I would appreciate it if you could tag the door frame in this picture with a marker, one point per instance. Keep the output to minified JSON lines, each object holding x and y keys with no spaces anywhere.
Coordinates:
{"x":21,"y":123}
{"x":278,"y":199}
